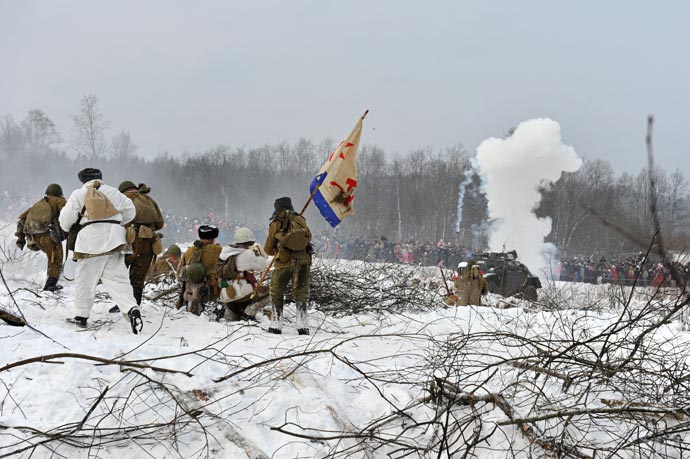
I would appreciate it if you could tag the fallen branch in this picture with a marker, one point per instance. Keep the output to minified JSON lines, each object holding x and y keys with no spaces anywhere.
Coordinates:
{"x":64,"y":355}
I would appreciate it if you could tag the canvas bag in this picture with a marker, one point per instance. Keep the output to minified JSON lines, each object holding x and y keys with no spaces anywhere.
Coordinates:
{"x":98,"y":207}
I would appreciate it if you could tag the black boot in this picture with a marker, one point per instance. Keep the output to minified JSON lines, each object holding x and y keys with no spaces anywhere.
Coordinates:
{"x":138,"y":293}
{"x":78,"y":321}
{"x":135,"y":320}
{"x":52,"y":285}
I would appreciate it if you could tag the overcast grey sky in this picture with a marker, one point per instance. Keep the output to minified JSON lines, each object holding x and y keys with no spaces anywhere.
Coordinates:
{"x":189,"y":75}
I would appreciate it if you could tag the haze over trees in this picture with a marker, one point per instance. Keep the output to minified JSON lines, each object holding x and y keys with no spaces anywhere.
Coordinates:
{"x":401,"y":196}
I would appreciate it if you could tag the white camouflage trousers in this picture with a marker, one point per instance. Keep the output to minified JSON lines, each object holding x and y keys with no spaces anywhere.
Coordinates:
{"x":109,"y":269}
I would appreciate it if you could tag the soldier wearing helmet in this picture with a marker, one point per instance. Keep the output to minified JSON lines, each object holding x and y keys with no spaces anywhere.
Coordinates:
{"x":237,"y":265}
{"x":39,"y":225}
{"x":166,"y":265}
{"x":142,"y":234}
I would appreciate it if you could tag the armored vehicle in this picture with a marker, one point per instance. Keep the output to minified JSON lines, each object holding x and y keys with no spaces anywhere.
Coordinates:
{"x":507,"y":276}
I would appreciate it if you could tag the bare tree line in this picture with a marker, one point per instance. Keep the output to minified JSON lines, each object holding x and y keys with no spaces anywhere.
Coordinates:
{"x":401,"y":197}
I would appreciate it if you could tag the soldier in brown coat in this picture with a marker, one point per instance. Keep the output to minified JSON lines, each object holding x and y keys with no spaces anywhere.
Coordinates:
{"x":195,"y":292}
{"x":288,"y":241}
{"x":38,"y":227}
{"x":143,"y":228}
{"x":471,"y":286}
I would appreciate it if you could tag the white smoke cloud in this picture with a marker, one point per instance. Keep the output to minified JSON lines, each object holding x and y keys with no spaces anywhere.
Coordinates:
{"x":513,"y":169}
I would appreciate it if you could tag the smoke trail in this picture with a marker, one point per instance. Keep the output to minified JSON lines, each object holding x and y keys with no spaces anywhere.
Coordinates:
{"x":513,"y":169}
{"x":461,"y":196}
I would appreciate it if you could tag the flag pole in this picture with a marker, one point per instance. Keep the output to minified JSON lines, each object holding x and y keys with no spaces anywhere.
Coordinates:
{"x":306,"y":204}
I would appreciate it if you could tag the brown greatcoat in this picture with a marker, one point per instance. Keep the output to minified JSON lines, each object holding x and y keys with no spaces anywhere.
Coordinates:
{"x":42,"y":240}
{"x":149,"y":216}
{"x":471,"y":288}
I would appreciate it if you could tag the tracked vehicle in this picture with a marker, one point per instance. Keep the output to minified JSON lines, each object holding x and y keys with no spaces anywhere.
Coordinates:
{"x":507,"y":276}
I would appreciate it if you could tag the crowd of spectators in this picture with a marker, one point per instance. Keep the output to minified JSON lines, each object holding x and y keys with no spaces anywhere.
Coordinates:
{"x":619,"y":270}
{"x":443,"y":254}
{"x":183,"y":229}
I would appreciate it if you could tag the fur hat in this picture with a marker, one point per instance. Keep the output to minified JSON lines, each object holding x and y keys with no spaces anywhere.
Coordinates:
{"x":208,"y":232}
{"x":88,"y":174}
{"x":284,"y":203}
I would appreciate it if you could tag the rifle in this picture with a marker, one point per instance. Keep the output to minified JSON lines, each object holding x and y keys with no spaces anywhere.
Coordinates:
{"x":451,"y":298}
{"x":72,"y":239}
{"x":445,"y":282}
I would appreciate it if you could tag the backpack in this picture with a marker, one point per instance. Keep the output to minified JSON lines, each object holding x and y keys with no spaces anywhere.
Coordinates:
{"x":195,"y":272}
{"x":39,"y":217}
{"x":228,"y":270}
{"x":146,"y":210}
{"x":98,"y":207}
{"x":297,"y":236}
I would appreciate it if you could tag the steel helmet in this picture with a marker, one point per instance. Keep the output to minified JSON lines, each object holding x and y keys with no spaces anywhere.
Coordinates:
{"x":174,"y":250}
{"x":243,"y":235}
{"x":195,"y":273}
{"x":462,"y":265}
{"x":126,"y":185}
{"x":54,"y":190}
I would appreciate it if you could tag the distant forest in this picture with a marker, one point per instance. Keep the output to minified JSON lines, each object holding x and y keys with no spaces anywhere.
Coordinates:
{"x":410,"y":196}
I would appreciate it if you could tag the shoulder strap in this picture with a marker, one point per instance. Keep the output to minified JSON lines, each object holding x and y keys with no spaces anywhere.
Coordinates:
{"x":81,"y":214}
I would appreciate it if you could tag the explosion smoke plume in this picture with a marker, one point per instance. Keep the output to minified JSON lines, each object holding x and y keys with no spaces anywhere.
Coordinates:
{"x":513,"y":169}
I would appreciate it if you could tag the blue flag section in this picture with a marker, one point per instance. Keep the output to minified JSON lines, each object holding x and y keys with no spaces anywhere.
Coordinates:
{"x":324,"y":207}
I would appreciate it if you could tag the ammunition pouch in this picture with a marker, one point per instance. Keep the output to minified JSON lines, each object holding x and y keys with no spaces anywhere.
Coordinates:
{"x":131,"y":234}
{"x":145,"y":232}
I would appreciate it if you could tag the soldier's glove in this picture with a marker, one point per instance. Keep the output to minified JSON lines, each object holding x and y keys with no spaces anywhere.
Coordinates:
{"x":21,"y":243}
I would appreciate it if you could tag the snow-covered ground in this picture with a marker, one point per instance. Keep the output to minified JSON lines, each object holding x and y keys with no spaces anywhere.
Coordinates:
{"x":364,"y":385}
